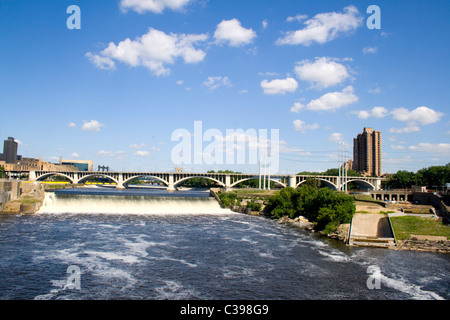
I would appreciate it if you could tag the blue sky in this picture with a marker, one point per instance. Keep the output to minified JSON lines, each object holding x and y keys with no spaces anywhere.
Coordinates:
{"x":115,"y":90}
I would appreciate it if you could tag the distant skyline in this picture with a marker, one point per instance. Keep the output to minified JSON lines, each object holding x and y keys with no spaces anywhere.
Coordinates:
{"x":116,"y":89}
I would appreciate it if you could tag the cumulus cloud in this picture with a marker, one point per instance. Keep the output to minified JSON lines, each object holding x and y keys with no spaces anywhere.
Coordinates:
{"x":408,"y":129}
{"x":298,"y":18}
{"x":440,"y":148}
{"x":367,"y":50}
{"x":75,"y":155}
{"x":154,"y":50}
{"x":336,"y":137}
{"x":323,"y":72}
{"x":137,"y":146}
{"x":329,"y":101}
{"x":113,"y":154}
{"x":218,"y":81}
{"x":101,"y":62}
{"x":264,"y":24}
{"x":397,"y":147}
{"x":92,"y":126}
{"x":324,"y":27}
{"x":141,"y":153}
{"x":233,"y":33}
{"x":156,"y":6}
{"x":302,"y":127}
{"x":419,"y":116}
{"x":376,"y":112}
{"x":279,"y":86}
{"x":72,"y":125}
{"x":422,"y":115}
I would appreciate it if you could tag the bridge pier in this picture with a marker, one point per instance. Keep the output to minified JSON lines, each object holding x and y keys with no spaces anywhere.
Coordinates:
{"x":171,"y":186}
{"x":292,"y":182}
{"x":120,"y":184}
{"x":32,"y":176}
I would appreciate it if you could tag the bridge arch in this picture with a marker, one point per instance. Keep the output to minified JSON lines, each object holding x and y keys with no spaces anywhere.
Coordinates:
{"x":46,"y":175}
{"x":363,"y":182}
{"x":328,"y":183}
{"x":256,"y":177}
{"x":205,"y":177}
{"x":125,"y":182}
{"x":83,"y":178}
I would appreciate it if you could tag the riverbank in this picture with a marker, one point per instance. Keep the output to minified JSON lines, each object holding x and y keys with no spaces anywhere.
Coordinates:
{"x":424,"y":235}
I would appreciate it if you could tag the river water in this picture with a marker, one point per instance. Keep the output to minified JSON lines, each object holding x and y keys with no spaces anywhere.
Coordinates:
{"x":157,"y":245}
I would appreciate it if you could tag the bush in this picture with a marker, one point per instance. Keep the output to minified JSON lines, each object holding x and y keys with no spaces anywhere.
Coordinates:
{"x":254,"y":206}
{"x":228,"y":199}
{"x":325,"y":207}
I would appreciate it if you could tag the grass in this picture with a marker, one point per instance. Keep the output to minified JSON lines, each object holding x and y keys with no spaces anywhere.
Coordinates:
{"x":366,"y":198}
{"x":404,"y":227}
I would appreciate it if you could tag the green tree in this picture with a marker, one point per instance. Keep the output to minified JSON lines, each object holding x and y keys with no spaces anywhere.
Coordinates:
{"x":325,"y":207}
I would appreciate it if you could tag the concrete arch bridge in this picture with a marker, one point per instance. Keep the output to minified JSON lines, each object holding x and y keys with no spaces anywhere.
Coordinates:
{"x":225,"y":180}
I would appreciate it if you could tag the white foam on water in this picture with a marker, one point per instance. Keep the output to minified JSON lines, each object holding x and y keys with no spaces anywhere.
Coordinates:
{"x":335,"y":256}
{"x":138,"y":205}
{"x":402,"y":285}
{"x":172,"y":290}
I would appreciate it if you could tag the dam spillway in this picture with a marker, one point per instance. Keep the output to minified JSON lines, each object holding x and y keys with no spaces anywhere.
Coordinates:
{"x":136,"y":201}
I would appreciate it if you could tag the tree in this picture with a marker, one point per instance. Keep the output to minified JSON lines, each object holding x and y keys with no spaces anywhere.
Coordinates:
{"x":325,"y":207}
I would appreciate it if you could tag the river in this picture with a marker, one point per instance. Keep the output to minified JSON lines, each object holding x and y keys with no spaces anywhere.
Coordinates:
{"x":147,"y":244}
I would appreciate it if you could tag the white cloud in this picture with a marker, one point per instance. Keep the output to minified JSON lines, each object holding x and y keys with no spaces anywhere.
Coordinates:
{"x":324,"y":72}
{"x":154,"y":50}
{"x":336,"y":137}
{"x":264,"y":24}
{"x":93,"y":126}
{"x":298,"y":18}
{"x":329,"y":101}
{"x":215,"y":82}
{"x":397,"y":147}
{"x":284,"y":148}
{"x":114,"y":154}
{"x":439,"y":148}
{"x":137,"y":146}
{"x":376,"y":112}
{"x":279,"y":86}
{"x":232,"y":32}
{"x":301,"y":126}
{"x":156,"y":6}
{"x":75,"y":155}
{"x":101,"y":62}
{"x":72,"y":125}
{"x":419,"y":116}
{"x":367,"y":50}
{"x":141,"y":153}
{"x":324,"y":27}
{"x":422,"y":115}
{"x":408,"y":129}
{"x":374,"y":91}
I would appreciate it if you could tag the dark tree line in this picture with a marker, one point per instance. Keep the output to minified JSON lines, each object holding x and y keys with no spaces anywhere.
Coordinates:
{"x":431,"y":177}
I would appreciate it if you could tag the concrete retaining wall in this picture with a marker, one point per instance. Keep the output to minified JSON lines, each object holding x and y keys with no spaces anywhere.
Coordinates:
{"x":9,"y":190}
{"x":434,"y":200}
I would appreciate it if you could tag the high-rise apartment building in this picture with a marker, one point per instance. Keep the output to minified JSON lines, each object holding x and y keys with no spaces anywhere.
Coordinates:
{"x":10,"y":150}
{"x":367,"y":152}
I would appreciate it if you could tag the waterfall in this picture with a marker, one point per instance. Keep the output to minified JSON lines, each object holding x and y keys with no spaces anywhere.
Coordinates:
{"x":129,"y":204}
